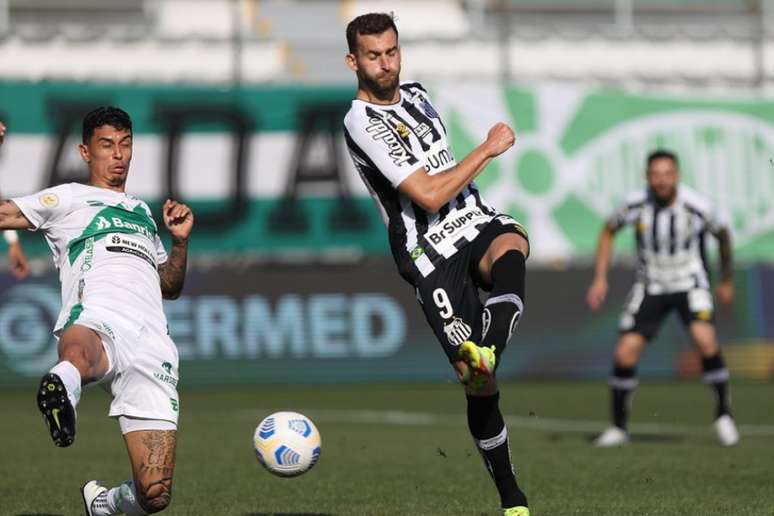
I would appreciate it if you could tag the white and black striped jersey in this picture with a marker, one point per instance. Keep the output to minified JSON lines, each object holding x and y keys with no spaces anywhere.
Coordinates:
{"x":670,"y":239}
{"x":387,"y":144}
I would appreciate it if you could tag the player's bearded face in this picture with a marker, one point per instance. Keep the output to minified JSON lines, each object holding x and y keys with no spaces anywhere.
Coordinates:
{"x":108,"y":154}
{"x":662,"y":179}
{"x":379,"y":63}
{"x":382,"y":84}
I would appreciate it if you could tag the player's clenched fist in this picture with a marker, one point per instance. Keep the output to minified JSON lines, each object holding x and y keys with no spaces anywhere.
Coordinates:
{"x":178,"y":218}
{"x":500,"y":139}
{"x":2,"y":132}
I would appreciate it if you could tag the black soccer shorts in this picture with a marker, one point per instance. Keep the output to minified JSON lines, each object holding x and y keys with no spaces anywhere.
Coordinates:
{"x":449,"y":296}
{"x":644,"y":313}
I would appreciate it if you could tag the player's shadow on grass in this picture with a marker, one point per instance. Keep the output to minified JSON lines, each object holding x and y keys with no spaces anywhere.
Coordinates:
{"x":659,"y":438}
{"x":637,"y":438}
{"x":38,"y":514}
{"x":289,"y":514}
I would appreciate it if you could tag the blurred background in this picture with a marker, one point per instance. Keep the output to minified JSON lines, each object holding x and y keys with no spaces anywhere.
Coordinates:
{"x":238,"y":109}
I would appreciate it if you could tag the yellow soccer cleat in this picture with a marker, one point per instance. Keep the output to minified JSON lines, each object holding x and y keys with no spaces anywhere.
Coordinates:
{"x":516,"y":511}
{"x":481,"y":364}
{"x":480,"y":360}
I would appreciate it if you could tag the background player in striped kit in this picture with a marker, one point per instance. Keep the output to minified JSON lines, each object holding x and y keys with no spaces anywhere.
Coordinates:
{"x":445,"y":239}
{"x":17,"y":261}
{"x":671,"y":225}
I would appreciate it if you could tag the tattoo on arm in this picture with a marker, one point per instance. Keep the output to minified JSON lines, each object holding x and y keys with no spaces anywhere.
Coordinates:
{"x":172,"y":272}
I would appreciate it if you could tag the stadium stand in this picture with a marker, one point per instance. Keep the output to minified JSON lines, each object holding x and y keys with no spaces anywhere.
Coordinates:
{"x":707,"y":42}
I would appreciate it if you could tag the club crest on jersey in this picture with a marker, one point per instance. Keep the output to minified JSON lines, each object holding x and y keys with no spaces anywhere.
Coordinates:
{"x":457,"y":331}
{"x":403,"y":131}
{"x":429,"y":110}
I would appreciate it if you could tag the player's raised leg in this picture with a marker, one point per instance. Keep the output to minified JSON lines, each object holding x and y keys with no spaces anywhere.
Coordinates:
{"x":503,"y":267}
{"x":716,"y":376}
{"x":82,"y":359}
{"x":623,"y":381}
{"x":152,"y":454}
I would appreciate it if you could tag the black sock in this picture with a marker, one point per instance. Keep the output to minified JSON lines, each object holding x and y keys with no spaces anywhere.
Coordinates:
{"x":622,"y":383}
{"x":491,"y":436}
{"x":716,"y":375}
{"x":505,"y":305}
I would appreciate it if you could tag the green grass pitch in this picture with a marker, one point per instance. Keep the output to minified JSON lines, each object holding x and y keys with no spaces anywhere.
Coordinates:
{"x":405,"y":450}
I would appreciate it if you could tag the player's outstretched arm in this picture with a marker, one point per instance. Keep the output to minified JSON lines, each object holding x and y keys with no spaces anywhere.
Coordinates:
{"x":433,"y":192}
{"x":598,"y":289}
{"x":11,"y":217}
{"x":178,"y":218}
{"x":725,"y":289}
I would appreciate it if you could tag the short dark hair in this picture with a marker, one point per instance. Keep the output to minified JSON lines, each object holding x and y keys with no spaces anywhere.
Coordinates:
{"x":371,"y":23}
{"x":662,"y":154}
{"x":105,"y":115}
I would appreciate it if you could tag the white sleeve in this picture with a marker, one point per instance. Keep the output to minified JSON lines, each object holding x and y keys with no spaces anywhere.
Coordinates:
{"x":622,"y":216}
{"x":377,"y":141}
{"x":716,"y":219}
{"x":45,"y":208}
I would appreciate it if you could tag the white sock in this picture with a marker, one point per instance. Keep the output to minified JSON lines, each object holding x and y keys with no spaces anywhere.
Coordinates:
{"x":123,"y":499}
{"x":71,"y":379}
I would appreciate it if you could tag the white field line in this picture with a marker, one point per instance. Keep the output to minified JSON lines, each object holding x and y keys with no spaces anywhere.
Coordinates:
{"x":403,"y":418}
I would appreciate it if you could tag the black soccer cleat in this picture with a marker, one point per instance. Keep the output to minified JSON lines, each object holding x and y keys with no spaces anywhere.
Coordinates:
{"x":57,"y":410}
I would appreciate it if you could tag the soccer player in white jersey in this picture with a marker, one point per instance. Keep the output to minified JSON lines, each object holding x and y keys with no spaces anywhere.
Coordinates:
{"x":446,"y":241}
{"x":17,"y":260}
{"x":112,"y":330}
{"x":671,"y":224}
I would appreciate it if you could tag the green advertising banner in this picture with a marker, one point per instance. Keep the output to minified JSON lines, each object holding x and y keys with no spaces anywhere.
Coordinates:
{"x":361,"y":323}
{"x":268,"y":170}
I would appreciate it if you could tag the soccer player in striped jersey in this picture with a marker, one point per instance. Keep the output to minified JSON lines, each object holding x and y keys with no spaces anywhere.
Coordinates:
{"x":671,"y":224}
{"x":446,"y":240}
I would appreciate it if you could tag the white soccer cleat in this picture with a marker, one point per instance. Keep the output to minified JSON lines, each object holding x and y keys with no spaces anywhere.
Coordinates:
{"x":725,"y":428}
{"x":612,"y":437}
{"x":90,"y":491}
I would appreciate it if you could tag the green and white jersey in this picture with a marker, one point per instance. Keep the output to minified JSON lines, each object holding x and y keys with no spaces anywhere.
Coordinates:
{"x":107,"y":249}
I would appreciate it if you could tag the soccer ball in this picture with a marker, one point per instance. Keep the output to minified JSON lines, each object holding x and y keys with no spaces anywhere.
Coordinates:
{"x":287,"y":443}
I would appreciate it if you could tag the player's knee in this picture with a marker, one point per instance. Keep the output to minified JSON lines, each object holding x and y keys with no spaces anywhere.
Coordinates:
{"x":521,"y":244}
{"x":626,"y":356}
{"x":156,"y":497}
{"x":79,"y":345}
{"x":76,"y":355}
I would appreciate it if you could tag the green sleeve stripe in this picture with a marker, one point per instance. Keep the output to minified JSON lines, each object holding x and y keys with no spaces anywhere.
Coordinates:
{"x":75,"y":312}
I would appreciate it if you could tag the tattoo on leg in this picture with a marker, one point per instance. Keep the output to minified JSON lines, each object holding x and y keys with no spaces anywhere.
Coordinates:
{"x":159,"y":454}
